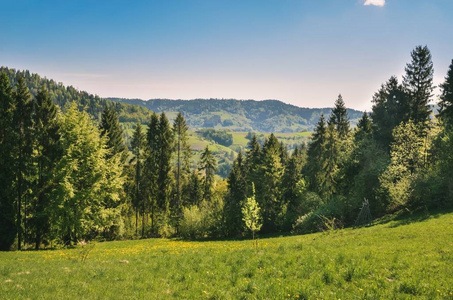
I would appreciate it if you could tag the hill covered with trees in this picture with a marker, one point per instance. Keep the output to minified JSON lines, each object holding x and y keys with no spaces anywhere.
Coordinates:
{"x":66,"y":177}
{"x":241,"y":115}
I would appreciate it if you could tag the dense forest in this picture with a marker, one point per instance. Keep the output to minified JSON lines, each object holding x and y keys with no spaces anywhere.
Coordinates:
{"x":240,"y":115}
{"x":67,"y":176}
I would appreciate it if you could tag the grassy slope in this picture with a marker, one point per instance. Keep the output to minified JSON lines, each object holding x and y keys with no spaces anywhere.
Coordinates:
{"x":387,"y":261}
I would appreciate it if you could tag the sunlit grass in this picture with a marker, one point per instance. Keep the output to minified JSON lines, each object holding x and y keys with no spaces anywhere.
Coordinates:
{"x":387,"y":261}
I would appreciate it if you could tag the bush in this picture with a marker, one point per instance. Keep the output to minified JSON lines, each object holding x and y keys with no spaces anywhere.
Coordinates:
{"x":194,"y":223}
{"x":326,"y":217}
{"x":202,"y":221}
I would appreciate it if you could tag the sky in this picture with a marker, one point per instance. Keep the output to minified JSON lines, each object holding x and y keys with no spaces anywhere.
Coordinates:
{"x":302,"y":52}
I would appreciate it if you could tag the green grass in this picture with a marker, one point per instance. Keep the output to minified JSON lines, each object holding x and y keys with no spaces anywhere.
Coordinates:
{"x":394,"y":260}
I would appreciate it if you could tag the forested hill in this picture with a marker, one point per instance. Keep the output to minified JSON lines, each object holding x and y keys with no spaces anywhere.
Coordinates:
{"x":61,"y":95}
{"x":241,"y":115}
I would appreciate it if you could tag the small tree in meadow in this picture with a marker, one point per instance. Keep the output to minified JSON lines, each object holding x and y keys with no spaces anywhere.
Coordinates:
{"x":251,"y":214}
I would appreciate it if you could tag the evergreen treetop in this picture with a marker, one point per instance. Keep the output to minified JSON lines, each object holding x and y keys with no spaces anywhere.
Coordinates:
{"x":339,"y":117}
{"x":446,"y":98}
{"x":418,"y":83}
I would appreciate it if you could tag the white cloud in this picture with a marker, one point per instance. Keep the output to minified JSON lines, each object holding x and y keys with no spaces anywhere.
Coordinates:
{"x":380,"y":3}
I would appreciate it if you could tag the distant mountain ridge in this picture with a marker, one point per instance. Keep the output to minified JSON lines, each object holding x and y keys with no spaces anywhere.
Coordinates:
{"x":241,"y":115}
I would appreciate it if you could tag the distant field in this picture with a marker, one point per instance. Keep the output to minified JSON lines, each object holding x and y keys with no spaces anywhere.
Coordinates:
{"x":395,"y":260}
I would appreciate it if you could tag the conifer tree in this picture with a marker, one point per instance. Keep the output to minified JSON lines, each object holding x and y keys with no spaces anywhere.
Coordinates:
{"x":364,"y":126}
{"x":253,"y":157}
{"x":208,"y":164}
{"x":22,"y":121}
{"x":316,"y":148}
{"x":8,"y":228}
{"x":418,"y":83}
{"x":165,"y":151}
{"x":329,"y":161}
{"x":237,"y":193}
{"x":138,"y":146}
{"x":339,"y":118}
{"x":390,"y":107}
{"x":183,"y":153}
{"x":446,"y":98}
{"x":110,"y":127}
{"x":193,"y":190}
{"x":292,"y":175}
{"x":270,"y":195}
{"x":48,"y":152}
{"x":151,"y":172}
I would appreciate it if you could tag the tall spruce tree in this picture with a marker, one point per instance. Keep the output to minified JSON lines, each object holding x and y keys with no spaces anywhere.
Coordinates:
{"x":110,"y":127}
{"x":165,"y":152}
{"x":339,"y":118}
{"x":47,"y":154}
{"x":237,"y":193}
{"x":253,"y":157}
{"x":208,"y":164}
{"x":138,"y":148}
{"x":418,"y":83}
{"x":316,"y":148}
{"x":390,"y":107}
{"x":8,"y":228}
{"x":22,"y":121}
{"x":293,"y":174}
{"x":446,"y":98}
{"x":183,"y":153}
{"x":270,"y":194}
{"x":193,"y":190}
{"x":151,"y":172}
{"x":329,"y":162}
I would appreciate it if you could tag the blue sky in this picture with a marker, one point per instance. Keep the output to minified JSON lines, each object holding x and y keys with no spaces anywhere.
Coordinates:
{"x":298,"y":51}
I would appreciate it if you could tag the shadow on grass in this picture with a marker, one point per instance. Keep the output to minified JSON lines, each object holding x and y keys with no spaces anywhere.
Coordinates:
{"x":406,"y":217}
{"x":238,"y":238}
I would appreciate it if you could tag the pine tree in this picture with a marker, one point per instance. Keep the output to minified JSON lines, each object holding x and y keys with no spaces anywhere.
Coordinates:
{"x":339,"y":118}
{"x":138,"y":146}
{"x":418,"y":83}
{"x":183,"y":154}
{"x":193,"y":190}
{"x":48,"y":152}
{"x":330,"y":160}
{"x":316,"y":148}
{"x":8,"y":227}
{"x":390,"y":107}
{"x":164,"y":179}
{"x":364,"y":128}
{"x":292,"y":175}
{"x":110,"y":127}
{"x":446,"y":98}
{"x":237,"y":193}
{"x":253,"y":157}
{"x":208,"y":164}
{"x":152,"y":152}
{"x":23,"y":153}
{"x":270,"y":194}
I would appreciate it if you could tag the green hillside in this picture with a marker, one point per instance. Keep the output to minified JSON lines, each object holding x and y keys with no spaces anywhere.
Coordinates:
{"x":131,"y":113}
{"x":401,"y":259}
{"x":241,"y":115}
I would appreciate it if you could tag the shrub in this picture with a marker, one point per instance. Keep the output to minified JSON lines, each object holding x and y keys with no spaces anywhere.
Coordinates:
{"x":326,"y":217}
{"x":193,"y":224}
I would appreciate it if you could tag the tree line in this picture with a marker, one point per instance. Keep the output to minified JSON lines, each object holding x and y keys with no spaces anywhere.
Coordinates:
{"x":66,"y":177}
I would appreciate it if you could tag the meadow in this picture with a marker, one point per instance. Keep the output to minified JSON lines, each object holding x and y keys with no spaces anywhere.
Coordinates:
{"x":396,"y":259}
